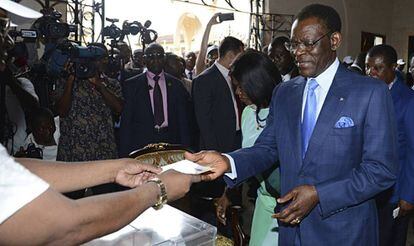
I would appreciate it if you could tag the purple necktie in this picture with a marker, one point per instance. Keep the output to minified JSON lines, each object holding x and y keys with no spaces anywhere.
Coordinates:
{"x":158,"y":105}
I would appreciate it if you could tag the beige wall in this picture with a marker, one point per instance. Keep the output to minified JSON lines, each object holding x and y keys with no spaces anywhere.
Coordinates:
{"x":394,"y":19}
{"x":402,"y":26}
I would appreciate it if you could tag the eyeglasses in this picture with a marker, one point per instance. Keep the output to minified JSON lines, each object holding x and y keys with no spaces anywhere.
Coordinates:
{"x":154,"y":56}
{"x":305,"y":45}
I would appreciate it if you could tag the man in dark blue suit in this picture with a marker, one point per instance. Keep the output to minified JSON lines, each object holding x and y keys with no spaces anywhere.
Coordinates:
{"x":380,"y":63}
{"x":334,"y":134}
{"x":157,"y":107}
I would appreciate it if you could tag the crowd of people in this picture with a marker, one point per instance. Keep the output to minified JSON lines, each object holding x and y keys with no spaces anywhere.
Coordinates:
{"x":329,"y":143}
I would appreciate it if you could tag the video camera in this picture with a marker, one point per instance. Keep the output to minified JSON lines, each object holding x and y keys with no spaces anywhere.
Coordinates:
{"x":49,"y":26}
{"x":83,"y":59}
{"x":130,"y":28}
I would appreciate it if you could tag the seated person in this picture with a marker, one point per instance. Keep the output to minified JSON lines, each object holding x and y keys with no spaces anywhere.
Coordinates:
{"x":45,"y":133}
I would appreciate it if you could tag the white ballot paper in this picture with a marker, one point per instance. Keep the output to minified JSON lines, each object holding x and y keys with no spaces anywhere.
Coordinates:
{"x":187,"y":167}
{"x":395,"y":212}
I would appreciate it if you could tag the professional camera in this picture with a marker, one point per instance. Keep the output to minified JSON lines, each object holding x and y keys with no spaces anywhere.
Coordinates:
{"x":27,"y":34}
{"x":112,"y":31}
{"x":83,"y":58}
{"x":130,"y":28}
{"x":49,"y":26}
{"x":31,"y":152}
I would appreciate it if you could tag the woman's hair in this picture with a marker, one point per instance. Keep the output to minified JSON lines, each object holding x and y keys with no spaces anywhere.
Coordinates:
{"x":257,"y":76}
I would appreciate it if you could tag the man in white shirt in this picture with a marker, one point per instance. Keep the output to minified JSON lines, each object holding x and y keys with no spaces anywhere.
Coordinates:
{"x":333,"y":133}
{"x":45,"y":133}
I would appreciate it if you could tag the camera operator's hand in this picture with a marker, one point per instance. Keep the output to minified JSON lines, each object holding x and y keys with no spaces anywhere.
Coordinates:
{"x":21,"y":153}
{"x":69,"y":68}
{"x":97,"y":81}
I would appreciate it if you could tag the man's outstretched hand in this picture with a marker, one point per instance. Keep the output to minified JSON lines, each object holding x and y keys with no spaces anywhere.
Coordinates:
{"x":302,"y":200}
{"x":218,"y":163}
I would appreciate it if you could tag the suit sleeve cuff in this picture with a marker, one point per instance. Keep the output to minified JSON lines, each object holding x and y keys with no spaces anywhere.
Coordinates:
{"x":233,"y":173}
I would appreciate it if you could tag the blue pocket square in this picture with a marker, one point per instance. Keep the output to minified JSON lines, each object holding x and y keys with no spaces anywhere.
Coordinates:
{"x":344,"y":122}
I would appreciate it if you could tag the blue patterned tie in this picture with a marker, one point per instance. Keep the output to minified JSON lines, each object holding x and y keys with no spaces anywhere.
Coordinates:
{"x":309,"y":115}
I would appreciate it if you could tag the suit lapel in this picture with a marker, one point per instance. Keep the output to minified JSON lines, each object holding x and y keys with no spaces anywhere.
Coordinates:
{"x":142,"y":96}
{"x":294,"y":117}
{"x":334,"y":102}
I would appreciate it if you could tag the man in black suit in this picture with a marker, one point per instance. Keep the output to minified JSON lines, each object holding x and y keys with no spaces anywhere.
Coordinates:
{"x":157,"y":106}
{"x":214,"y":101}
{"x":218,"y":118}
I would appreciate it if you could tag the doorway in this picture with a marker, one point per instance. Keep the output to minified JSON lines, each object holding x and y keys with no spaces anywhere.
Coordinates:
{"x":369,"y":40}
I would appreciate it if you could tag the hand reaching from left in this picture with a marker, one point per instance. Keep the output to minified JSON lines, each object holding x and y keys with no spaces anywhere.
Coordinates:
{"x":134,"y":174}
{"x":302,"y":200}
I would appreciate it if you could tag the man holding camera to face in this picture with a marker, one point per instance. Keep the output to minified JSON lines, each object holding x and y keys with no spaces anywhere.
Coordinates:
{"x":85,"y":105}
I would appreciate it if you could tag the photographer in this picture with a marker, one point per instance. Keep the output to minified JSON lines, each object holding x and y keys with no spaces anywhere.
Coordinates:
{"x":20,"y":101}
{"x":85,"y":107}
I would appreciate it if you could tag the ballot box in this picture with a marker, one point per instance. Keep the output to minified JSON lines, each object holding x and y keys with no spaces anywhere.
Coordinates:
{"x":167,"y":226}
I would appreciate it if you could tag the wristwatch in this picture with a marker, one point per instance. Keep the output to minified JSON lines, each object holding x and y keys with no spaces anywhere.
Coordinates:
{"x":162,"y":197}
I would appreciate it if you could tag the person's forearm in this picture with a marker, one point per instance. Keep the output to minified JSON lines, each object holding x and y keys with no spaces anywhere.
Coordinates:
{"x":52,"y":219}
{"x":100,"y":215}
{"x":114,"y":102}
{"x":65,"y":177}
{"x":200,"y":61}
{"x":63,"y":104}
{"x":28,"y":102}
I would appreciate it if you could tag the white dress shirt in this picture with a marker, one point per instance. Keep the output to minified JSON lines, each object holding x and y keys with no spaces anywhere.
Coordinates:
{"x":324,"y":80}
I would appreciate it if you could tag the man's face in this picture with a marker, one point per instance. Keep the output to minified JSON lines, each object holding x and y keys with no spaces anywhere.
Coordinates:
{"x":312,"y":60}
{"x":154,"y":58}
{"x":377,"y":68}
{"x":138,"y":59}
{"x":211,"y":57}
{"x":190,"y":60}
{"x":281,"y":57}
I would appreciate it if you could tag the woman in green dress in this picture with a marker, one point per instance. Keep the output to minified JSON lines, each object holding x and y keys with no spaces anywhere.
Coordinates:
{"x":255,"y":77}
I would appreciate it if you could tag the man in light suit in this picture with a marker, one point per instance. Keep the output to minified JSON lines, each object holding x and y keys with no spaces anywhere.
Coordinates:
{"x":157,"y":107}
{"x":380,"y":63}
{"x":333,"y":132}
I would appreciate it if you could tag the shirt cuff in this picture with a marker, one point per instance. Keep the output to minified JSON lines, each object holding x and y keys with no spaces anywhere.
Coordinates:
{"x":233,"y":173}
